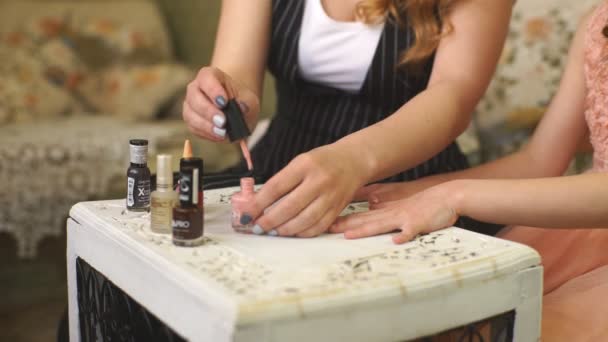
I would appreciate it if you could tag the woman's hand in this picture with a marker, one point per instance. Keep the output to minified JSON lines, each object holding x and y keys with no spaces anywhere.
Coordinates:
{"x":313,"y":189}
{"x":207,"y":94}
{"x":425,"y":212}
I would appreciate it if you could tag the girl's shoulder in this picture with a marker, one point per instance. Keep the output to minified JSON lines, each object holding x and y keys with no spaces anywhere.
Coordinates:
{"x":595,"y":22}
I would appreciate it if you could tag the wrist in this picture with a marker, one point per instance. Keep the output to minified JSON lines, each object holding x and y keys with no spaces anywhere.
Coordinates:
{"x":361,"y":160}
{"x":456,"y":195}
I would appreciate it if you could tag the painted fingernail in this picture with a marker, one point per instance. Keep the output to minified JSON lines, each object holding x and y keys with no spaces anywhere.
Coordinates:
{"x":219,"y":120}
{"x":244,"y":107}
{"x":220,"y":132}
{"x":257,"y":230}
{"x":273,"y":233}
{"x":246,"y":219}
{"x":221,"y":101}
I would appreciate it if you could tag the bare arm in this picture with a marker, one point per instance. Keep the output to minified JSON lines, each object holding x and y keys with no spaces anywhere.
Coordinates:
{"x":549,"y":152}
{"x":242,"y":41}
{"x":464,"y":65}
{"x":560,"y":202}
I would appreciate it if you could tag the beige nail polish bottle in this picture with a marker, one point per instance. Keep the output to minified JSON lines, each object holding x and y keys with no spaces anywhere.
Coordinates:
{"x":164,"y":198}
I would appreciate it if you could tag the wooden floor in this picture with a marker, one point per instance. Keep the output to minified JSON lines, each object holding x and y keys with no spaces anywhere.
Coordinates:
{"x":33,"y":293}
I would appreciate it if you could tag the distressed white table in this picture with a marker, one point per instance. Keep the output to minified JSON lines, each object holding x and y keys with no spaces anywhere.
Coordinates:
{"x":260,"y":288}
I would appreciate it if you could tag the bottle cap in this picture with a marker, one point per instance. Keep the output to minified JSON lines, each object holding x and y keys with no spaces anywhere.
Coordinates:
{"x":164,"y":173}
{"x":138,"y":149}
{"x":236,"y":127}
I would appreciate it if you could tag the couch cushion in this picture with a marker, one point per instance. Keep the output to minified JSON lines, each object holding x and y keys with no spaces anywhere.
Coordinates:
{"x":142,"y":15}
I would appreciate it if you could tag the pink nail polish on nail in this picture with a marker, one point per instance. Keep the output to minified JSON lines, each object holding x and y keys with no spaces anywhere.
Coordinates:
{"x":244,"y":211}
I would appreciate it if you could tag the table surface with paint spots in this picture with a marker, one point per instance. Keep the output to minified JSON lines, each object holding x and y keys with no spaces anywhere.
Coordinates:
{"x":275,"y":274}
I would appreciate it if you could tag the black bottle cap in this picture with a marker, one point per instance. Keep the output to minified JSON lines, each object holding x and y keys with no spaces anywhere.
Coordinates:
{"x":138,"y":142}
{"x":236,"y":127}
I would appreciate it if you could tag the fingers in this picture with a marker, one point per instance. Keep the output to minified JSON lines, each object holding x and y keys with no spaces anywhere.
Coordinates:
{"x":200,"y":126}
{"x":212,"y":83}
{"x":307,"y":218}
{"x":385,"y":224}
{"x":205,"y":97}
{"x":407,"y":234}
{"x":201,"y":105}
{"x":293,"y":205}
{"x":353,"y":221}
{"x":319,"y":227}
{"x":276,"y":188}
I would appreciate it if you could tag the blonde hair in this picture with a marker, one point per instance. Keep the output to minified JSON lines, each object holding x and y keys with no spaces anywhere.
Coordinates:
{"x":425,"y":17}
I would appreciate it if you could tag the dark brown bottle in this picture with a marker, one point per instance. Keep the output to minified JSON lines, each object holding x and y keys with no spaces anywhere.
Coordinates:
{"x":187,"y":223}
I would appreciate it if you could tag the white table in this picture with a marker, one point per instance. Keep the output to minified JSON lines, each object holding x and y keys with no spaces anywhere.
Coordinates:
{"x":260,"y":288}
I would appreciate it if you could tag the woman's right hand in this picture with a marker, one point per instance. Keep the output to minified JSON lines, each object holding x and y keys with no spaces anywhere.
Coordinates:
{"x":207,"y":95}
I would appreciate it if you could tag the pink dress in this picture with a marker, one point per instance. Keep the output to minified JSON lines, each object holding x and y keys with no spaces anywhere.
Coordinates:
{"x":575,"y":305}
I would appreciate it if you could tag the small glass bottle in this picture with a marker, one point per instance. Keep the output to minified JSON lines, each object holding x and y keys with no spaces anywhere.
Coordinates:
{"x":244,"y":210}
{"x":164,"y":198}
{"x":187,"y":223}
{"x":138,"y":176}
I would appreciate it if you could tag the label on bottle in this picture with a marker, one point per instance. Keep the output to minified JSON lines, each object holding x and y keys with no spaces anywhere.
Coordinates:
{"x":139,"y":154}
{"x":161,"y":214}
{"x":185,"y":188}
{"x":142,"y":195}
{"x":130,"y":186}
{"x":187,"y":225}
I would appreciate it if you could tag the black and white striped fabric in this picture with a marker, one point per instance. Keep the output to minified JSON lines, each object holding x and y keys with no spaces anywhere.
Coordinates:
{"x":311,"y":115}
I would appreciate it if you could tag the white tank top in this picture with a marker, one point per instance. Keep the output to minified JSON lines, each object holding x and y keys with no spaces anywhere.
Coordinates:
{"x":335,"y":53}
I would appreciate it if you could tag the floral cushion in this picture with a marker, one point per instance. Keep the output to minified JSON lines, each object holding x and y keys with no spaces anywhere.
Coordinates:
{"x":62,"y":64}
{"x":529,"y":72}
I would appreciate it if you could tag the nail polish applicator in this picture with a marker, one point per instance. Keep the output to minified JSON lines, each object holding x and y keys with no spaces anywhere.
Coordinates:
{"x":237,"y":129}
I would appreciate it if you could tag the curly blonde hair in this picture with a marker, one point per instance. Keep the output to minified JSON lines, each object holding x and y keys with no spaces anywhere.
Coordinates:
{"x":426,"y":18}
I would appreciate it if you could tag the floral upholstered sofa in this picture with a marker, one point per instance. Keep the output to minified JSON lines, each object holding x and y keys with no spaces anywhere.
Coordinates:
{"x":78,"y":80}
{"x":528,"y":75}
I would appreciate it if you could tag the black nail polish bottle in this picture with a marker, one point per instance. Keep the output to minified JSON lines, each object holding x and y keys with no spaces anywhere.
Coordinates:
{"x":138,"y":176}
{"x":187,"y":223}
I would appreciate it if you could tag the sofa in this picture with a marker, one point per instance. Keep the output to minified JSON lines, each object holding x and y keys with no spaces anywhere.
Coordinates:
{"x":79,"y":79}
{"x":85,"y":76}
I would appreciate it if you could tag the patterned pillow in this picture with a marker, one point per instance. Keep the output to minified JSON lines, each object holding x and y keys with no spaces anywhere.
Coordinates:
{"x":60,"y":65}
{"x":529,"y":72}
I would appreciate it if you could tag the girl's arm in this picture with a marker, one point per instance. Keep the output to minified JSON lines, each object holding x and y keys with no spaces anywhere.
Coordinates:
{"x":549,"y":151}
{"x":560,"y":202}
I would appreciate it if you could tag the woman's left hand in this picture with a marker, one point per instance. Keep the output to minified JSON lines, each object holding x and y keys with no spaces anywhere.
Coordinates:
{"x":305,"y":197}
{"x":425,"y":212}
